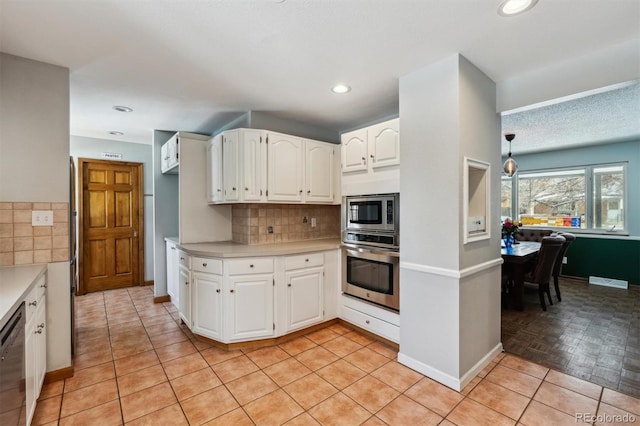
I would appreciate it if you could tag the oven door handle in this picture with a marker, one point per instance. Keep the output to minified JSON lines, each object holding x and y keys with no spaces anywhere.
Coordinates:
{"x":371,"y":250}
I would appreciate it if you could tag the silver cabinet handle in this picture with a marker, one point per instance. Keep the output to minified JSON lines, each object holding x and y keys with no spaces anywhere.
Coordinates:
{"x":181,"y":258}
{"x":231,"y":291}
{"x":38,"y":331}
{"x":367,"y":321}
{"x":306,"y":260}
{"x":364,"y":159}
{"x":219,"y":190}
{"x":301,"y":191}
{"x":41,"y":325}
{"x":309,"y":191}
{"x":217,"y":290}
{"x":34,"y":303}
{"x":246,"y":189}
{"x":233,"y":189}
{"x":251,"y":266}
{"x":173,"y":248}
{"x":43,"y":286}
{"x":186,"y":283}
{"x":204,"y":264}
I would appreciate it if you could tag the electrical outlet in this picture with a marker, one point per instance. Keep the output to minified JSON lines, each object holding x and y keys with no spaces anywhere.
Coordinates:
{"x":313,"y":222}
{"x":564,"y":260}
{"x":42,"y":218}
{"x":270,"y":229}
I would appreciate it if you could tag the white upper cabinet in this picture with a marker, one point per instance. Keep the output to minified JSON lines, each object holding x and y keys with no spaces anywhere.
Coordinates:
{"x":215,"y":190}
{"x":371,"y":159}
{"x":170,"y":155}
{"x":319,"y":172}
{"x":230,"y":169}
{"x":354,"y":151}
{"x":253,"y":165}
{"x":284,"y":168}
{"x":384,"y":144}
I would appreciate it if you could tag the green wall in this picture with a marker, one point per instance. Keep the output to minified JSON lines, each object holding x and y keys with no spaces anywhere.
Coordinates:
{"x":604,"y":257}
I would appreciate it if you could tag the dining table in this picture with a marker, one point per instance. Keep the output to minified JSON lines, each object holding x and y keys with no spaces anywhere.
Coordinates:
{"x":517,"y":260}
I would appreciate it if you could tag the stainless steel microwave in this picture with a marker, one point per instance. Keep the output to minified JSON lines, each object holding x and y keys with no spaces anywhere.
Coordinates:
{"x":377,"y":213}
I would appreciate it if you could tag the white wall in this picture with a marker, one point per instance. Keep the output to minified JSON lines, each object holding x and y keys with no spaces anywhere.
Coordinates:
{"x":83,"y":147}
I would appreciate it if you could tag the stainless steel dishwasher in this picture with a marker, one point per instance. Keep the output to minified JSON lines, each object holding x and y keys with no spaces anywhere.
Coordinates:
{"x":12,"y":370}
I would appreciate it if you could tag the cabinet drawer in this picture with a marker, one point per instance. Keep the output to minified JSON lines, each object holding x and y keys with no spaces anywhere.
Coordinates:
{"x":303,"y":261}
{"x":257,"y":265}
{"x":184,"y":259}
{"x":372,"y":324}
{"x":208,"y":265}
{"x":35,"y":297}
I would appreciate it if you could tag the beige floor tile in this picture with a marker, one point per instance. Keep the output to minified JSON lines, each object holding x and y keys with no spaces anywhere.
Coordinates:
{"x":322,"y":336}
{"x":524,"y":366}
{"x":162,"y":328}
{"x":622,"y":401}
{"x":374,"y":421}
{"x":565,"y":400}
{"x":147,"y":401}
{"x":471,"y":413}
{"x":184,"y":365}
{"x":216,"y":355}
{"x":310,"y":390}
{"x":131,"y":349}
{"x":511,"y":379}
{"x":236,"y":417}
{"x":176,"y":350}
{"x":371,"y":393}
{"x":434,"y":396}
{"x":397,"y":376}
{"x":339,"y":410}
{"x":161,"y":340}
{"x":208,"y":405}
{"x":194,"y":383}
{"x":287,"y":371}
{"x":405,"y":411}
{"x":136,"y":362}
{"x":341,"y":374}
{"x":89,"y":397}
{"x":573,"y":383}
{"x":47,"y":410}
{"x":51,"y":389}
{"x":251,"y":387}
{"x":500,"y":399}
{"x":303,"y":419}
{"x":341,"y":346}
{"x":141,"y":379}
{"x":296,"y":346}
{"x":366,"y":359}
{"x":383,"y":349}
{"x":359,"y":338}
{"x":487,"y":369}
{"x":274,"y":408}
{"x":265,"y":357}
{"x":90,"y":359}
{"x":171,"y":415}
{"x":612,"y":416}
{"x":234,"y":368}
{"x":105,"y":415}
{"x":538,"y":414}
{"x":316,"y":358}
{"x":470,"y":386}
{"x":90,"y":376}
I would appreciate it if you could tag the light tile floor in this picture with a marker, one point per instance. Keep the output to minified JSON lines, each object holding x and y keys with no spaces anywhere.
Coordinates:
{"x":137,"y":365}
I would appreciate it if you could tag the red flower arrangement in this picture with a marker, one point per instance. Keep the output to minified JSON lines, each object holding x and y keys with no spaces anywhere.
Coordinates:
{"x":510,"y":228}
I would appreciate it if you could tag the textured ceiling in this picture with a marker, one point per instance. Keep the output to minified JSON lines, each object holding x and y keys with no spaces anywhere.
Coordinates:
{"x":609,"y":116}
{"x":193,"y":65}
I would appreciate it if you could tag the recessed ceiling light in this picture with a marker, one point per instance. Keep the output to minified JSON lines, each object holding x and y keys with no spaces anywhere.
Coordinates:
{"x":121,"y":108}
{"x":341,"y":88}
{"x":515,"y":7}
{"x":116,"y":133}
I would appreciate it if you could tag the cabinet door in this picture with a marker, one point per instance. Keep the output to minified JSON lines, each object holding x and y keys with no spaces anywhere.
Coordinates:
{"x":172,"y":272}
{"x":30,"y":367}
{"x":173,"y":151}
{"x":354,"y":151}
{"x":249,"y":307}
{"x":207,"y":305}
{"x":230,"y":158}
{"x":164,"y":157}
{"x":252,"y":165}
{"x":214,"y":170}
{"x":40,"y":345}
{"x":184,"y":295}
{"x":304,"y":298}
{"x":384,"y":143}
{"x":319,"y":172}
{"x":284,"y":168}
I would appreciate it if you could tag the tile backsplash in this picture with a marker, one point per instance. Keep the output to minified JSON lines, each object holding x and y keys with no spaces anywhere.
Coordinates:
{"x":21,"y":243}
{"x":252,"y":223}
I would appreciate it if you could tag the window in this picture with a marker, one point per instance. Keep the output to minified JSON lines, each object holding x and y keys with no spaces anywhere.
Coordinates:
{"x":589,"y":197}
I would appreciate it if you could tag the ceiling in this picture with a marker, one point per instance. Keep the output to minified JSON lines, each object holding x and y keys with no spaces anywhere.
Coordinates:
{"x":195,"y":65}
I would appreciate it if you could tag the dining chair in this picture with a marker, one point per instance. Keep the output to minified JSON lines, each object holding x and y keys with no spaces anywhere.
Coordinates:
{"x":541,"y":275}
{"x":557,"y":268}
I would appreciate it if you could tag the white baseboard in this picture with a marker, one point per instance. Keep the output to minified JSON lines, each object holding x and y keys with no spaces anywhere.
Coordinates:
{"x":454,"y":383}
{"x":608,"y":282}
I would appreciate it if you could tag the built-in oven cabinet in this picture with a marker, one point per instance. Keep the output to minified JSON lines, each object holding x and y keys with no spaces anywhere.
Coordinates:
{"x":35,"y":344}
{"x":374,"y":319}
{"x":370,"y":159}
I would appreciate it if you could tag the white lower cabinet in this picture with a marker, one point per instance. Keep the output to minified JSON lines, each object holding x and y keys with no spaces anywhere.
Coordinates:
{"x":172,"y":272}
{"x":207,"y":305}
{"x":304,"y":302}
{"x":377,"y":320}
{"x":249,"y":307}
{"x":184,"y":288}
{"x":35,"y":344}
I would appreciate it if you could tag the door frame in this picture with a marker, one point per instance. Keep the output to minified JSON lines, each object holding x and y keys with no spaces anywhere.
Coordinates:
{"x":80,"y":223}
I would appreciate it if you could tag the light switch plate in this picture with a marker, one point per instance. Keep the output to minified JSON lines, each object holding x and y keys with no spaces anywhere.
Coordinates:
{"x":42,"y":218}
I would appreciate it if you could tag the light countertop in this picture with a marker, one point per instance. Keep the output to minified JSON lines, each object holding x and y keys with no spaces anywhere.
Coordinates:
{"x":15,"y":283}
{"x":229,"y":249}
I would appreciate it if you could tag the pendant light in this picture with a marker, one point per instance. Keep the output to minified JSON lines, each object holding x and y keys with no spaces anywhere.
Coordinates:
{"x":510,"y":166}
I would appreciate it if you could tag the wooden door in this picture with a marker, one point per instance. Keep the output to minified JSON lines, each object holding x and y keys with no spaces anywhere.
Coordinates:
{"x":111,"y":221}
